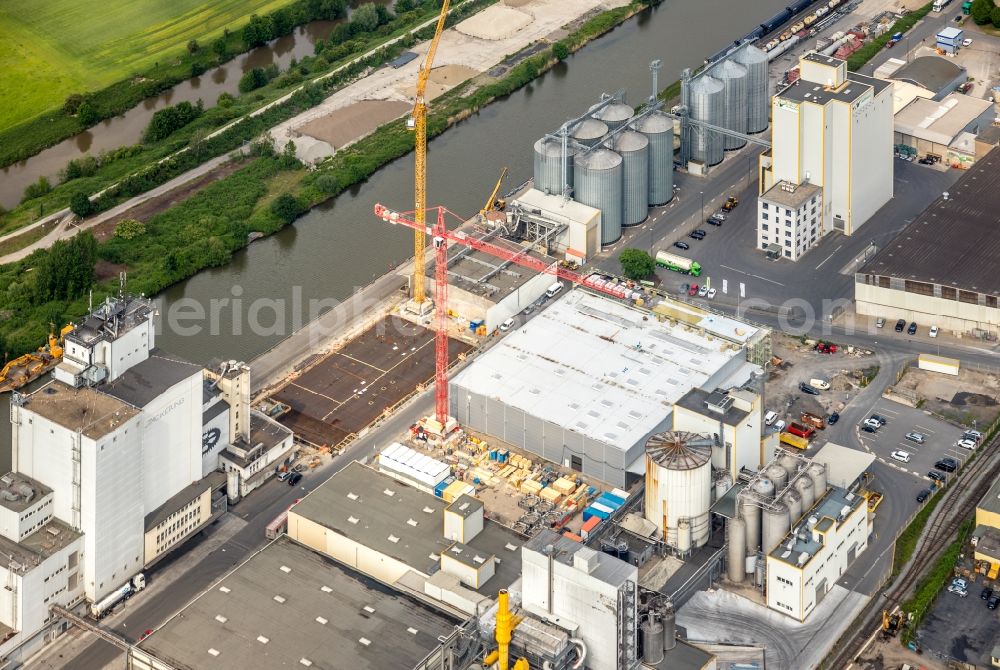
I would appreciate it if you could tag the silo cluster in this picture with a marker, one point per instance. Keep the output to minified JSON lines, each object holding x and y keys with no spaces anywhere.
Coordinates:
{"x":679,"y":487}
{"x":597,"y":179}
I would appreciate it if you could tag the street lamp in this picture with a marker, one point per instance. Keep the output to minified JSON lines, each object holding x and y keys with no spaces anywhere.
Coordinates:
{"x":702,"y":193}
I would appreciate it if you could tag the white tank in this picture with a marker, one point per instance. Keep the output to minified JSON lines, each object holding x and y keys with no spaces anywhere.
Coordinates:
{"x":684,"y":536}
{"x":737,"y":550}
{"x":794,"y":502}
{"x":721,"y":486}
{"x":775,"y":526}
{"x":679,"y":485}
{"x":750,"y":514}
{"x":804,"y":485}
{"x":233,"y":486}
{"x":789,"y":463}
{"x":764,"y":488}
{"x":778,"y":476}
{"x":817,"y":472}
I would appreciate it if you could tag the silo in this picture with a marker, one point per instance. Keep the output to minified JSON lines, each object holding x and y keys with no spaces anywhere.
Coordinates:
{"x":758,"y":100}
{"x":615,"y":115}
{"x":707,"y":100}
{"x":775,"y":526}
{"x":659,"y":130}
{"x":804,"y":485}
{"x":764,"y":488}
{"x":789,"y":463}
{"x":750,"y":514}
{"x":778,"y":476}
{"x":794,"y":502}
{"x":652,"y":641}
{"x":597,"y":178}
{"x":589,"y":132}
{"x":734,"y":117}
{"x":679,"y":486}
{"x":669,"y":627}
{"x":633,"y":147}
{"x":548,"y":165}
{"x":817,"y":472}
{"x":737,"y":550}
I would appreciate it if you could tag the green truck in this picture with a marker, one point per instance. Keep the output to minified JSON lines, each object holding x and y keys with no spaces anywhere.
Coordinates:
{"x":678,"y":263}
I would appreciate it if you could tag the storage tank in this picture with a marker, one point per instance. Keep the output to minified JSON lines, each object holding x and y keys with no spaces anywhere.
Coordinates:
{"x":633,"y":147}
{"x":764,"y":488}
{"x":804,"y":485}
{"x":615,"y":115}
{"x":652,"y":641}
{"x":233,"y":486}
{"x":817,"y":472}
{"x":597,"y":178}
{"x":758,"y":100}
{"x":589,"y":132}
{"x":669,"y":627}
{"x":737,"y":550}
{"x":778,"y":476}
{"x":775,"y":526}
{"x":679,"y":486}
{"x":750,"y":513}
{"x":789,"y":463}
{"x":548,"y":166}
{"x":659,"y":130}
{"x":734,"y":117}
{"x":794,"y":502}
{"x":707,"y":95}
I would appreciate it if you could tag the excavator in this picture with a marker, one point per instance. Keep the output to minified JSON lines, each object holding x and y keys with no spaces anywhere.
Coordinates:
{"x":29,"y":367}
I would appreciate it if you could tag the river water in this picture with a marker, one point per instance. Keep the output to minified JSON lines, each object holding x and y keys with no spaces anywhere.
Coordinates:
{"x":341,"y":246}
{"x":128,"y":128}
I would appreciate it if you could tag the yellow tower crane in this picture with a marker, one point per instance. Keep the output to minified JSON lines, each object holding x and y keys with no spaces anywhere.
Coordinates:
{"x":418,"y":122}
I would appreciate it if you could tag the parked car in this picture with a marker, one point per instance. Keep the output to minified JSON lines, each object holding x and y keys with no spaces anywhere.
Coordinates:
{"x":947,"y":465}
{"x":282,"y":476}
{"x":879,"y":322}
{"x":960,"y":592}
{"x":986,"y":594}
{"x":900,"y":325}
{"x":832,"y":419}
{"x":960,"y":583}
{"x":966,"y":444}
{"x":699,"y":233}
{"x":923,"y":495}
{"x":821,"y":384}
{"x":993,"y":602}
{"x":711,"y":293}
{"x":703,"y":291}
{"x":779,"y":425}
{"x":901,"y":456}
{"x":933,"y":332}
{"x":974,"y":435}
{"x":295,"y":478}
{"x":872,"y":423}
{"x":693,"y":291}
{"x":682,"y":245}
{"x":967,"y":42}
{"x":912,"y":330}
{"x":805,"y":388}
{"x":713,"y":221}
{"x":770,"y":417}
{"x":936,"y":476}
{"x":507,"y":325}
{"x":881,"y":419}
{"x":919,"y":438}
{"x":868,"y":429}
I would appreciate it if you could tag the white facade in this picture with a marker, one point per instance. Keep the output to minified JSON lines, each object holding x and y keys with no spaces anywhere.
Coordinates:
{"x":740,"y":438}
{"x":117,"y":335}
{"x":795,"y":226}
{"x":172,"y":440}
{"x":834,"y":130}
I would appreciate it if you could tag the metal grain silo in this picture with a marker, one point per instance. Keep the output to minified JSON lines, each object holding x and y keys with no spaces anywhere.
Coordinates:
{"x":734,"y":117}
{"x":615,"y":115}
{"x":817,"y":471}
{"x":758,"y":100}
{"x":589,"y":132}
{"x":791,"y":464}
{"x":804,"y":485}
{"x":679,"y":486}
{"x":633,"y":147}
{"x":778,"y":476}
{"x":750,"y":513}
{"x":548,"y":165}
{"x":794,"y":502}
{"x":776,"y":526}
{"x":597,"y":182}
{"x":659,"y":130}
{"x":707,"y":95}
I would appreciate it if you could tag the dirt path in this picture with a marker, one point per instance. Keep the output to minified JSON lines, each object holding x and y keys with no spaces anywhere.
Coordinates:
{"x":346,"y":124}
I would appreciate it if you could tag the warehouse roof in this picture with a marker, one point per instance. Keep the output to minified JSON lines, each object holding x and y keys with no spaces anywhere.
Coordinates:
{"x":940,"y":122}
{"x":144,"y":382}
{"x":954,"y":242}
{"x":486,"y":275}
{"x":931,"y":72}
{"x":80,"y":409}
{"x":213,"y":480}
{"x":402,"y":522}
{"x":843,"y":464}
{"x":991,"y":501}
{"x":600,"y":367}
{"x":800,"y":548}
{"x":853,"y":89}
{"x":291,"y":607}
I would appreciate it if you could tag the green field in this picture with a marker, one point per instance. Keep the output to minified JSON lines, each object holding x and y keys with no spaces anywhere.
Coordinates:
{"x":53,"y":48}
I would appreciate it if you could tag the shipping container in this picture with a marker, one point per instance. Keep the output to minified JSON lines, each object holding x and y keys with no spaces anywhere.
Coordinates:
{"x":801,"y":430}
{"x":794,"y":441}
{"x":589,"y":525}
{"x":616,"y":499}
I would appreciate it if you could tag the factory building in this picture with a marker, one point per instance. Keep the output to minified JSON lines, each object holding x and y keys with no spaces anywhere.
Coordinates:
{"x":941,"y":269}
{"x":590,"y":379}
{"x":986,"y":536}
{"x":945,"y":130}
{"x":928,"y":75}
{"x":734,"y":419}
{"x":831,"y":129}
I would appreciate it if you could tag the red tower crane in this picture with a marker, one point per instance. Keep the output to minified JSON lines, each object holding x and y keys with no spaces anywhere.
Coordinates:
{"x":442,"y":236}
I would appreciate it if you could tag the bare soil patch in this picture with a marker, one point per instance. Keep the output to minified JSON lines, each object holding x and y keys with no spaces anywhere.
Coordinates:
{"x":347,"y":124}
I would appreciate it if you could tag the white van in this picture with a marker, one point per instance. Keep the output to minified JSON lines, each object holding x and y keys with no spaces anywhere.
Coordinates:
{"x":770,"y":417}
{"x":554,"y":290}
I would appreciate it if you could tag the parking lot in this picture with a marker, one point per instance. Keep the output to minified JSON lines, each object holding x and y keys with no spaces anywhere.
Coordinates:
{"x":961,"y":629}
{"x":939,"y":440}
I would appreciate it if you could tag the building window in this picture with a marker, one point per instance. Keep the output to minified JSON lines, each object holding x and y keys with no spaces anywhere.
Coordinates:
{"x":764,"y":216}
{"x":918,"y":287}
{"x":948,"y":293}
{"x":991,"y":301}
{"x":788,"y":254}
{"x":788,"y":212}
{"x":764,"y":205}
{"x":763,"y":225}
{"x":970,"y":297}
{"x":883,"y":282}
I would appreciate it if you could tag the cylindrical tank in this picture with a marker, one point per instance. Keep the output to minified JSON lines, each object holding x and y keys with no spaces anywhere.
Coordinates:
{"x":590,"y":131}
{"x":659,"y":130}
{"x":734,"y":117}
{"x":778,"y":476}
{"x":669,"y":627}
{"x":775,"y":526}
{"x":721,"y":486}
{"x":737,"y":550}
{"x":764,"y":488}
{"x":548,"y":165}
{"x":652,"y":641}
{"x":615,"y":115}
{"x":683,"y":536}
{"x":804,"y":485}
{"x":233,"y":486}
{"x":789,"y":463}
{"x":707,"y":95}
{"x":794,"y":502}
{"x":633,"y":147}
{"x":679,"y":485}
{"x":817,"y":472}
{"x":758,"y":100}
{"x":750,"y":513}
{"x":597,"y":182}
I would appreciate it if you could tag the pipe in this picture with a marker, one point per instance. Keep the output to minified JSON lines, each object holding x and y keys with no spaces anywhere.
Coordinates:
{"x":581,"y":650}
{"x":505,"y":625}
{"x":491,"y":658}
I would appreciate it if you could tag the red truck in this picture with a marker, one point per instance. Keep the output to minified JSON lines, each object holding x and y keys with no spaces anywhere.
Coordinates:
{"x":796,"y":428}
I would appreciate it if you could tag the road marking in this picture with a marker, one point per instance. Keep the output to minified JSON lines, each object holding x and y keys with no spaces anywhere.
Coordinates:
{"x":828,"y":257}
{"x":926,"y":430}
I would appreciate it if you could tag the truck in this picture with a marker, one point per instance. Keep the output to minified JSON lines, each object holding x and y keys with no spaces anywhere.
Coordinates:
{"x":277,"y":526}
{"x":678,"y":263}
{"x":796,"y":428}
{"x":102,"y":608}
{"x":939,"y":5}
{"x":812,"y":420}
{"x":794,"y":441}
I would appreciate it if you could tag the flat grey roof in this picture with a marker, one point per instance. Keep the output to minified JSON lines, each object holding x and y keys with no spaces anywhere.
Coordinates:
{"x":991,"y":501}
{"x":114,"y":315}
{"x":384,"y":507}
{"x":465,"y":505}
{"x":808,"y":91}
{"x":791,"y":197}
{"x":827,"y":512}
{"x":609,"y":570}
{"x":989,"y":541}
{"x":24,"y":556}
{"x":183,"y":497}
{"x":684,"y":656}
{"x":265,"y":434}
{"x":695,"y":399}
{"x":26,"y":491}
{"x":80,"y":409}
{"x":954,"y":242}
{"x":931,"y":72}
{"x":288,"y":603}
{"x":146,"y":381}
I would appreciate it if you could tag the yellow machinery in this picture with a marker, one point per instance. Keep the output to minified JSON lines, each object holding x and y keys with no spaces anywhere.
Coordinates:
{"x":26,"y":368}
{"x":506,"y":623}
{"x":418,"y":122}
{"x":493,"y":202}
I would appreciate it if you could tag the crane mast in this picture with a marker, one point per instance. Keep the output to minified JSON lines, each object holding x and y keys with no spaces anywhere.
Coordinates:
{"x":418,"y":122}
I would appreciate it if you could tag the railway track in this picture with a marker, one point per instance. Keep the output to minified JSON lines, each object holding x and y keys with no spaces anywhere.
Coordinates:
{"x":958,"y":504}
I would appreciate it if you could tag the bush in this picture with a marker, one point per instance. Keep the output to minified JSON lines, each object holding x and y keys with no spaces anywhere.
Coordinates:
{"x":286,"y":207}
{"x":80,"y":204}
{"x":981,"y":10}
{"x":328,"y":184}
{"x":66,"y":271}
{"x":560,"y":50}
{"x":252,"y":80}
{"x":636,"y":263}
{"x":995,"y":17}
{"x":36,"y":190}
{"x":170,"y":119}
{"x":193,"y":47}
{"x":130,"y":229}
{"x":258,"y":30}
{"x":87,"y":113}
{"x":365,"y":18}
{"x":84,"y":166}
{"x":219,"y":47}
{"x":72,"y":103}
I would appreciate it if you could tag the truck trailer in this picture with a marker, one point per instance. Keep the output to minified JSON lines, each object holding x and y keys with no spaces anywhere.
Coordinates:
{"x":102,"y":608}
{"x":678,"y":263}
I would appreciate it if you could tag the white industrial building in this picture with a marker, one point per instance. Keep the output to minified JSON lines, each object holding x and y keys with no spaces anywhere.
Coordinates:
{"x":588,"y":380}
{"x":833,"y":129}
{"x":734,"y":418}
{"x":788,"y":219}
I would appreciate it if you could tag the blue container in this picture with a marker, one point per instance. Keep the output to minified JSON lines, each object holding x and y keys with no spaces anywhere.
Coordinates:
{"x":608,"y":500}
{"x":592,"y":511}
{"x":503,"y":455}
{"x":439,"y":489}
{"x":493,"y":454}
{"x":611,"y":496}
